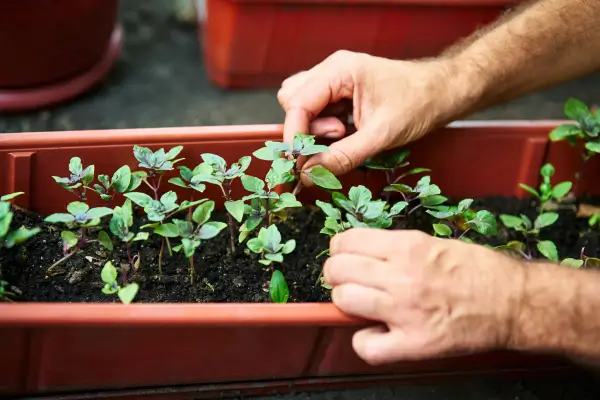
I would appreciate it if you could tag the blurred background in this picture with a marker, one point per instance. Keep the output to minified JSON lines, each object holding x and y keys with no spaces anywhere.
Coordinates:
{"x":102,"y":64}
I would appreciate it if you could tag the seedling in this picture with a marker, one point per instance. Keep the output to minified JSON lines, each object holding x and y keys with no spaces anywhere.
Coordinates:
{"x":5,"y":294}
{"x":303,"y":145}
{"x":547,"y":193}
{"x":585,"y":130}
{"x":80,"y":216}
{"x":126,"y":293}
{"x":268,"y":245}
{"x":120,"y":224}
{"x":158,"y":211}
{"x":157,"y":163}
{"x":78,"y":180}
{"x":9,"y":238}
{"x":530,"y":232}
{"x":582,"y":262}
{"x":457,"y":221}
{"x":214,"y":170}
{"x":424,"y":194}
{"x":594,"y":220}
{"x":265,"y":203}
{"x":122,"y":181}
{"x":390,"y":163}
{"x":192,"y":236}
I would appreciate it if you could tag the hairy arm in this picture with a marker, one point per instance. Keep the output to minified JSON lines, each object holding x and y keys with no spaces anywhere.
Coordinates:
{"x":559,"y":313}
{"x":537,"y":45}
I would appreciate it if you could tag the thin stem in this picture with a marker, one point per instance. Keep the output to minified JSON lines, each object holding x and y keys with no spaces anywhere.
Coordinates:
{"x":192,"y":269}
{"x":464,"y":233}
{"x":298,"y":188}
{"x":62,"y":260}
{"x":579,"y":175}
{"x":160,"y":256}
{"x":227,"y":194}
{"x":267,"y":211}
{"x":388,"y":179}
{"x":415,"y":208}
{"x":169,"y":247}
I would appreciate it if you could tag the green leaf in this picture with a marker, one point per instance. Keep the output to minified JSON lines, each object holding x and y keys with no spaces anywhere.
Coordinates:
{"x":10,"y":196}
{"x":141,"y":236}
{"x":510,"y":221}
{"x":189,"y":246}
{"x":270,"y":237}
{"x":572,"y":263}
{"x":289,"y":246}
{"x":529,"y":189}
{"x":314,"y":149}
{"x":374,"y":209}
{"x":484,"y":223}
{"x":108,"y":273}
{"x":174,"y":152}
{"x":561,"y":190}
{"x":211,"y":229}
{"x":322,"y":177}
{"x":121,"y":179}
{"x":513,"y":245}
{"x":136,"y":180}
{"x":547,"y":170}
{"x":360,"y":196}
{"x":576,"y":109}
{"x":593,"y":147}
{"x":141,"y":199}
{"x":167,"y":230}
{"x":99,"y":212}
{"x":433,"y":200}
{"x":564,"y":131}
{"x":128,"y":293}
{"x":329,"y":210}
{"x":236,"y":209}
{"x":398,"y":187}
{"x":548,"y":249}
{"x":252,"y":183}
{"x":19,"y":236}
{"x":442,"y":229}
{"x":278,"y":288}
{"x":464,"y":205}
{"x":203,"y":211}
{"x":255,"y":245}
{"x":78,"y":207}
{"x":267,"y":154}
{"x":75,"y":166}
{"x":217,"y":162}
{"x":398,"y":208}
{"x":60,"y":217}
{"x":104,"y":240}
{"x":69,"y":239}
{"x":545,"y":219}
{"x":178,"y":182}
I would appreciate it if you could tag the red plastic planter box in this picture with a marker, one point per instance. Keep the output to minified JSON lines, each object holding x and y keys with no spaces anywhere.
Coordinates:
{"x":254,"y":43}
{"x":77,"y":348}
{"x":53,"y":50}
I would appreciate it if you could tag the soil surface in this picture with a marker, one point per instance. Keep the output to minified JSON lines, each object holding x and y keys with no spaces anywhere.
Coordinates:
{"x":221,"y":277}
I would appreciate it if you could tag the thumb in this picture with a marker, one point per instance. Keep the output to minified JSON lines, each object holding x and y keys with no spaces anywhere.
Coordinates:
{"x":376,"y":345}
{"x":348,"y":153}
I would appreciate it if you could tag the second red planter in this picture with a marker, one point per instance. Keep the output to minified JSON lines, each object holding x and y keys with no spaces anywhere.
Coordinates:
{"x":252,"y":43}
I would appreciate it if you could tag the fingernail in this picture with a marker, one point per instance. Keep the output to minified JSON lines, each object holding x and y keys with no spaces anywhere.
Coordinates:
{"x":331,"y":135}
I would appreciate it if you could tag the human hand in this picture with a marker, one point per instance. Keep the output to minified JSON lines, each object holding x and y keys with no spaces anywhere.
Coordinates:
{"x":394,"y":102}
{"x":436,"y":296}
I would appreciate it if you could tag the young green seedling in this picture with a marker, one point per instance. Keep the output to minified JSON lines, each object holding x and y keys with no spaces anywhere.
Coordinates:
{"x":5,"y":294}
{"x":530,"y":232}
{"x":547,"y":193}
{"x":79,"y":178}
{"x":158,"y":211}
{"x":268,"y":244}
{"x":157,"y":163}
{"x":80,"y":216}
{"x":303,"y":145}
{"x":120,"y":224}
{"x":424,"y":194}
{"x":126,"y":293}
{"x":214,"y":170}
{"x":265,"y":203}
{"x":457,"y":221}
{"x":9,"y":238}
{"x":192,"y":236}
{"x":582,"y":262}
{"x":585,"y":129}
{"x":122,"y":181}
{"x":390,"y":163}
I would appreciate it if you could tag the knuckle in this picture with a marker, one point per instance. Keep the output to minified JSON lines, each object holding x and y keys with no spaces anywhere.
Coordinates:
{"x":344,"y":161}
{"x":342,"y":297}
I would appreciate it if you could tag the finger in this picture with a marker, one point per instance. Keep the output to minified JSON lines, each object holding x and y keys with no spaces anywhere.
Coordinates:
{"x":348,"y":153}
{"x":362,"y":301}
{"x":351,"y":268}
{"x":377,"y":345}
{"x":367,"y":242}
{"x":328,"y":127}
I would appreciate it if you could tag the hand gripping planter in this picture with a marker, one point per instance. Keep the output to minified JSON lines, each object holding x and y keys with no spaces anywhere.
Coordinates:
{"x":54,"y":50}
{"x":257,"y":43}
{"x":184,"y":351}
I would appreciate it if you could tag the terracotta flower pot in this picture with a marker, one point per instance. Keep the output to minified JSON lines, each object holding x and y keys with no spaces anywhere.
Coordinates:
{"x":255,"y":43}
{"x":61,"y":347}
{"x":54,"y":50}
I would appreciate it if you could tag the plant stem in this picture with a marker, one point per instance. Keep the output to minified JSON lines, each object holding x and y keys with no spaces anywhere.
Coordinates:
{"x":464,"y":233}
{"x":169,"y":247}
{"x":65,"y":258}
{"x":267,"y":212}
{"x":227,"y":194}
{"x":160,"y":256}
{"x":579,"y":175}
{"x":415,"y":208}
{"x":192,"y":269}
{"x":297,"y":188}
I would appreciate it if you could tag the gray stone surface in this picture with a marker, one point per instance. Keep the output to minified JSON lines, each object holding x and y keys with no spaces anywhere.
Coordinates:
{"x":160,"y":81}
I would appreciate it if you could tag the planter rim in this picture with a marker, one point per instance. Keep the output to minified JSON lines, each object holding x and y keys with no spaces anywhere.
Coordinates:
{"x":184,"y":314}
{"x":452,"y":3}
{"x":204,"y":133}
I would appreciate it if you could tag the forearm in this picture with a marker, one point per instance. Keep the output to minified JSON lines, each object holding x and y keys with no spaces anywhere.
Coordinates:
{"x":559,"y":312}
{"x":540,"y":44}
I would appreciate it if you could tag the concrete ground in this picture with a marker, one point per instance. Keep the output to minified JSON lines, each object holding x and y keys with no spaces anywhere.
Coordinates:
{"x":160,"y":81}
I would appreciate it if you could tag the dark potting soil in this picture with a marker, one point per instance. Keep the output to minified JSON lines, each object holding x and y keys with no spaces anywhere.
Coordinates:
{"x":219,"y":277}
